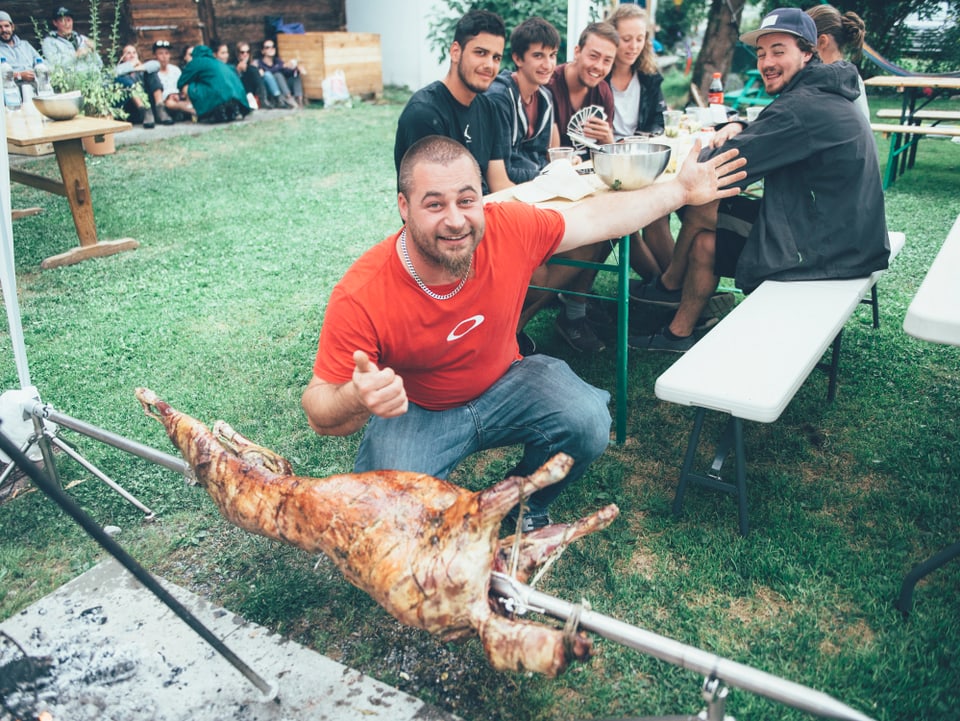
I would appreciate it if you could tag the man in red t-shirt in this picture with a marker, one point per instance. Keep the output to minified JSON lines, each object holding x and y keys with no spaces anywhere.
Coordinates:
{"x":418,"y":340}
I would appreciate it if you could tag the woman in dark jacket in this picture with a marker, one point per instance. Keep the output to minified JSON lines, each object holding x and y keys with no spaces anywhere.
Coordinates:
{"x":638,"y":108}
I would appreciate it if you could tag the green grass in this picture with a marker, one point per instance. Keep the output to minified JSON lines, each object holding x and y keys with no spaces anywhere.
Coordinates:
{"x":243,"y":233}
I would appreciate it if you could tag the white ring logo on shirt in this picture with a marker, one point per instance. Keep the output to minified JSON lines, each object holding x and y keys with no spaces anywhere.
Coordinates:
{"x":464,"y":327}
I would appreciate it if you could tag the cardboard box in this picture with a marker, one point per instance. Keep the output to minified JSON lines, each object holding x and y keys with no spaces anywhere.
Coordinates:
{"x":321,"y":54}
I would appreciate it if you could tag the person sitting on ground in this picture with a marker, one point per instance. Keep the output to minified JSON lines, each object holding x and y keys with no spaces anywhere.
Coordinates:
{"x":173,"y":104}
{"x":821,"y":215}
{"x":287,"y":88}
{"x":457,"y":107}
{"x":132,"y":73}
{"x":64,"y":48}
{"x":418,"y":343}
{"x":213,"y":88}
{"x":21,"y":55}
{"x":251,"y":76}
{"x":576,"y":85}
{"x":525,"y":104}
{"x":638,"y":108}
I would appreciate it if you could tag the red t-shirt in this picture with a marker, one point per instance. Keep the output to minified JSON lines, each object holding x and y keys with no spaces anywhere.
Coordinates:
{"x":448,"y":352}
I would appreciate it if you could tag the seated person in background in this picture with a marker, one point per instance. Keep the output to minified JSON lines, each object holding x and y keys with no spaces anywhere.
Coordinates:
{"x":638,"y":108}
{"x":284,"y":82}
{"x":213,"y":88}
{"x":64,"y":48}
{"x":172,"y":103}
{"x":457,"y":106}
{"x":821,"y":215}
{"x":136,"y":75}
{"x":840,"y":37}
{"x":576,"y":85}
{"x":21,"y":55}
{"x":434,"y":391}
{"x":525,"y":104}
{"x":251,"y":76}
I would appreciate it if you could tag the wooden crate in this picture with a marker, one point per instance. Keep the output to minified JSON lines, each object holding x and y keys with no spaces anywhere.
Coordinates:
{"x":356,"y":54}
{"x":32,"y":150}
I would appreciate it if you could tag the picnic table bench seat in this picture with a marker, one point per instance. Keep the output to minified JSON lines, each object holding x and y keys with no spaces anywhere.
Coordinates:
{"x":751,"y":364}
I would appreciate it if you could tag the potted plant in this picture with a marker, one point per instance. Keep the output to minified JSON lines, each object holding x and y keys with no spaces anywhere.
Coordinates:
{"x":102,"y":95}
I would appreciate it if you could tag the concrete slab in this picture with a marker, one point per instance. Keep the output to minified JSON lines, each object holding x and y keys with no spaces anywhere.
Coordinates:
{"x":102,"y":647}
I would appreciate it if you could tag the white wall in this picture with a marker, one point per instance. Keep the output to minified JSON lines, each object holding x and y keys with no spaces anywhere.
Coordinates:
{"x":402,"y":26}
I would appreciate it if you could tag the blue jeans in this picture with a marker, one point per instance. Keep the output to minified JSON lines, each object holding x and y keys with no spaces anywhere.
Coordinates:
{"x":538,"y":402}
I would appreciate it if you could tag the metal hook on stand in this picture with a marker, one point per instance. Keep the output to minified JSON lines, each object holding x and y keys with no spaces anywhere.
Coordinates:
{"x":715,"y":694}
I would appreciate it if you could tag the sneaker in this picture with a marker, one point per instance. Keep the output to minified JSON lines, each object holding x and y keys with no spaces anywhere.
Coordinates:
{"x":526,"y":343}
{"x":719,"y":305}
{"x":653,"y":293}
{"x":660,"y":342}
{"x":148,"y":121}
{"x":163,"y":116}
{"x":532,"y":520}
{"x":578,"y":334}
{"x":600,"y":316}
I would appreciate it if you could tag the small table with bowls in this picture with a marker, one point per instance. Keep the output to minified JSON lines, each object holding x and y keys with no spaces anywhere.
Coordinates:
{"x":66,"y":136}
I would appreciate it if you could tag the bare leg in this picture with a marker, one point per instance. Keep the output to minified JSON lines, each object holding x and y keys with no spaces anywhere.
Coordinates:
{"x":695,"y":220}
{"x":642,"y":261}
{"x":698,"y":285}
{"x":658,"y":238}
{"x":562,"y":277}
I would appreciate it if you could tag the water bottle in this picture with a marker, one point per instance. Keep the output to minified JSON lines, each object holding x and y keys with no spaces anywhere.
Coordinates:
{"x":715,"y":94}
{"x":41,"y":74}
{"x":11,"y":93}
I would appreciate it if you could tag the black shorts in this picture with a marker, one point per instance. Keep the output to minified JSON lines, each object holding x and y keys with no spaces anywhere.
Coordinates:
{"x":735,"y":218}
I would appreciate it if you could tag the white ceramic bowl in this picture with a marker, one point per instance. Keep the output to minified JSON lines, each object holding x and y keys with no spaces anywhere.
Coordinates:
{"x":60,"y":107}
{"x":628,"y":166}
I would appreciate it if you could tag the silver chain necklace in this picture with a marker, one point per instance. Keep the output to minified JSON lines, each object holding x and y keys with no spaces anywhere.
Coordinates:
{"x":416,"y":277}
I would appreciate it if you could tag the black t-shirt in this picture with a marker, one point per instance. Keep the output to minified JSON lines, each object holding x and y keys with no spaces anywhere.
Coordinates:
{"x":432,"y":110}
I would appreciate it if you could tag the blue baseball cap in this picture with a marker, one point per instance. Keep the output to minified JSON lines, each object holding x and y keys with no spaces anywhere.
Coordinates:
{"x":784,"y":20}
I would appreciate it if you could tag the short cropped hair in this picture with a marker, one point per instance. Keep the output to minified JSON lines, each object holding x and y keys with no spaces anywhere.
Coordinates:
{"x":602,"y":30}
{"x":437,"y":149}
{"x":533,"y":31}
{"x":476,"y":22}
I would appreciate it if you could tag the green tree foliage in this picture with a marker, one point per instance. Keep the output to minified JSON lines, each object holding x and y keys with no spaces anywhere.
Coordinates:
{"x":513,"y":13}
{"x":938,"y":51}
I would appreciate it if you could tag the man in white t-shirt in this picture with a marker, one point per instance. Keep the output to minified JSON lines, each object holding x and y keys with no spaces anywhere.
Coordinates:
{"x":169,"y":74}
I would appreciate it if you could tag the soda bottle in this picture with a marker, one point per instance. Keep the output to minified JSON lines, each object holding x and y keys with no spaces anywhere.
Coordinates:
{"x":715,"y":94}
{"x":11,"y":93}
{"x":41,"y":74}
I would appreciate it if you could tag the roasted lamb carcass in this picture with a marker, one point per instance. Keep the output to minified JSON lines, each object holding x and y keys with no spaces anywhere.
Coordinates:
{"x":422,"y":547}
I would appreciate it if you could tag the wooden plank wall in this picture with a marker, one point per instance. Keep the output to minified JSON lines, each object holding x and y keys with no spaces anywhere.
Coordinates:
{"x":228,"y":20}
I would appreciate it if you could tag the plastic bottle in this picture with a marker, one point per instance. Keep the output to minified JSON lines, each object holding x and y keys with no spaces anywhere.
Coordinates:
{"x":11,"y":93}
{"x":41,"y":74}
{"x":715,"y":94}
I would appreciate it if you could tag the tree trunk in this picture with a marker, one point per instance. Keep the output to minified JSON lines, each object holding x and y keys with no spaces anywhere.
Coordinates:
{"x":719,"y":42}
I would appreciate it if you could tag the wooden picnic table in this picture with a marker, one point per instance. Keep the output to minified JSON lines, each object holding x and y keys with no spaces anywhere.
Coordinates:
{"x":66,"y":137}
{"x":915,"y":99}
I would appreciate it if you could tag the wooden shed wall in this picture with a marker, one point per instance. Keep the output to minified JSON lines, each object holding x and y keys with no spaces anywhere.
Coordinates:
{"x":182,"y":22}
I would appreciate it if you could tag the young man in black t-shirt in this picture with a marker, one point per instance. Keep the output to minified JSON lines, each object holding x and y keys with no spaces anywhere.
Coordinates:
{"x":456,"y":107}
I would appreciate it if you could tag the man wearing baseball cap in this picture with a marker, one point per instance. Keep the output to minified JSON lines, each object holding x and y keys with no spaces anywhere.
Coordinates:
{"x":65,"y":48}
{"x":19,"y":53}
{"x":821,"y":215}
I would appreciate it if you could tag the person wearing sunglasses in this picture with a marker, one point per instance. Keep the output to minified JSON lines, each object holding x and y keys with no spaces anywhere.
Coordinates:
{"x":286,"y":76}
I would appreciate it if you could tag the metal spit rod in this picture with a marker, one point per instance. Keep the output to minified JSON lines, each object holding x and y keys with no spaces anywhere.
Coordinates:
{"x":525,"y":598}
{"x":42,"y":410}
{"x":268,"y":689}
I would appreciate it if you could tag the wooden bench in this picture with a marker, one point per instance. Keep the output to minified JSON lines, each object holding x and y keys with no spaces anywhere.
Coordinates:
{"x":900,"y":144}
{"x":751,"y":364}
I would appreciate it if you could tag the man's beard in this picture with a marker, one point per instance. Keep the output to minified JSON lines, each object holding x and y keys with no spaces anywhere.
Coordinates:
{"x":472,"y":87}
{"x":456,"y":265}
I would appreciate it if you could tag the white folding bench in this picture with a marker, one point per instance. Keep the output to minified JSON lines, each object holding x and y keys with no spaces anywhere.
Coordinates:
{"x":751,"y":364}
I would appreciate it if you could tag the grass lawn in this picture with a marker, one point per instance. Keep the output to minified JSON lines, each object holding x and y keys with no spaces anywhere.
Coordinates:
{"x":244,"y":232}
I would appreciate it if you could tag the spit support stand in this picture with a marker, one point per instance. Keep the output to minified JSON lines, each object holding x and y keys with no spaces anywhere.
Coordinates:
{"x":714,"y":692}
